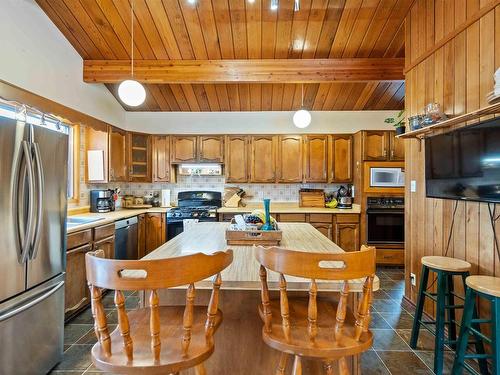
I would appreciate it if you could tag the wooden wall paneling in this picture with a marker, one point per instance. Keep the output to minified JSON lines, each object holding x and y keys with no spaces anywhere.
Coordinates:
{"x":277,"y":98}
{"x":146,"y":23}
{"x":255,"y":96}
{"x":254,"y":29}
{"x":234,"y":97}
{"x":267,"y":95}
{"x":269,"y":18}
{"x":299,"y":29}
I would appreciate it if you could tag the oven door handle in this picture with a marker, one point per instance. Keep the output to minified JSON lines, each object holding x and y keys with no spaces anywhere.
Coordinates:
{"x":385,"y":211}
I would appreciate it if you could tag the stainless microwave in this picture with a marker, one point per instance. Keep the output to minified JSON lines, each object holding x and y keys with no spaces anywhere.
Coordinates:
{"x":387,"y":177}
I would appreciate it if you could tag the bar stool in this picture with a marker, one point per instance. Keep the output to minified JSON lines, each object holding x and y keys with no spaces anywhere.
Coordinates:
{"x":445,"y":268}
{"x":486,"y":287}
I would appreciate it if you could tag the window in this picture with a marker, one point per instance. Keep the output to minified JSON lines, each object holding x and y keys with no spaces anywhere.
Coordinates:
{"x":18,"y":112}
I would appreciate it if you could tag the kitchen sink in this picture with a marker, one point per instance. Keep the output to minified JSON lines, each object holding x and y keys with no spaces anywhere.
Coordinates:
{"x":73,"y":221}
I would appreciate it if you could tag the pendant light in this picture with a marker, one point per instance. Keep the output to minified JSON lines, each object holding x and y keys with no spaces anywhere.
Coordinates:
{"x":131,"y":92}
{"x":302,"y":118}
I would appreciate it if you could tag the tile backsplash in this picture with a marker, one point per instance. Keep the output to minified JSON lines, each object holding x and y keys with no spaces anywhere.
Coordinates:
{"x":254,"y":192}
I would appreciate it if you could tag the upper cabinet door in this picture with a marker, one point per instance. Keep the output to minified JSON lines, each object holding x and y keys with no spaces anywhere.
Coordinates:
{"x":97,"y":154}
{"x":316,"y":158}
{"x":236,"y":159}
{"x":161,"y":159}
{"x":117,"y":154}
{"x":375,"y":145}
{"x":211,"y":148}
{"x":139,"y":157}
{"x":262,"y":159}
{"x":341,"y":158}
{"x":290,"y":158}
{"x":184,"y":149}
{"x":397,"y":148}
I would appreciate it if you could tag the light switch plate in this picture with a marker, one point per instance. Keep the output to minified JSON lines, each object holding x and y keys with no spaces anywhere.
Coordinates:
{"x":413,"y":186}
{"x":413,"y":279}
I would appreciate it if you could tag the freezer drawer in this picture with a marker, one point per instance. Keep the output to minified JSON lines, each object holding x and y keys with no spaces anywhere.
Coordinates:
{"x":32,"y":330}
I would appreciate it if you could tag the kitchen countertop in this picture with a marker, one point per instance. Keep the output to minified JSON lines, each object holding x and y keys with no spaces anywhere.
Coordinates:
{"x":111,"y":217}
{"x":243,"y":273}
{"x":289,"y":208}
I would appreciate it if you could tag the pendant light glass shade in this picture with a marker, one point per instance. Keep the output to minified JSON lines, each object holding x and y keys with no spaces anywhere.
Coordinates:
{"x":132,"y":93}
{"x":302,"y":118}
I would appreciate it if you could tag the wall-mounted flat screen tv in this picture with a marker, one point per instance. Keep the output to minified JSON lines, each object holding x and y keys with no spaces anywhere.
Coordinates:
{"x":465,"y":163}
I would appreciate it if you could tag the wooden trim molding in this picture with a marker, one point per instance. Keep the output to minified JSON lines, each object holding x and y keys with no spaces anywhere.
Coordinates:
{"x":249,"y":71}
{"x":66,"y":114}
{"x":475,"y":17}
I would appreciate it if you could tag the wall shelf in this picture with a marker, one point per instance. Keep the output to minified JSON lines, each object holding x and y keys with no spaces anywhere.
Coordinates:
{"x":446,"y":124}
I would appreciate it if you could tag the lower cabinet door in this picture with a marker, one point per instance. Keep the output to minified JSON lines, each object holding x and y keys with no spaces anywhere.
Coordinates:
{"x":347,"y":236}
{"x":155,"y":231}
{"x":325,"y":228}
{"x":107,"y":245}
{"x":76,"y":291}
{"x":141,"y":236}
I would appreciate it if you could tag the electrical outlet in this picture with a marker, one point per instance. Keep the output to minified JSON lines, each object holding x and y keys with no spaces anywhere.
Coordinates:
{"x":413,"y":186}
{"x":413,"y":279}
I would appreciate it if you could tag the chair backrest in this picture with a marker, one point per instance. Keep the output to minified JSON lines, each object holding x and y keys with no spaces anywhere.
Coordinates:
{"x":152,"y":275}
{"x":318,"y":266}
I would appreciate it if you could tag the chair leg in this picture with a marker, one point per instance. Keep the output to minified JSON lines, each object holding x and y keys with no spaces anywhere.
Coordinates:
{"x":297,"y":366}
{"x":200,"y":369}
{"x":343,"y":369}
{"x":419,"y":308}
{"x":440,"y":318}
{"x":328,"y":366}
{"x":463,"y":337}
{"x":495,"y":333}
{"x":282,"y":365}
{"x":450,"y":300}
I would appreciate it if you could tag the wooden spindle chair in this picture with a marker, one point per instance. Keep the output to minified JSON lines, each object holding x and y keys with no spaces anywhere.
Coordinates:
{"x":155,"y":339}
{"x":313,"y":327}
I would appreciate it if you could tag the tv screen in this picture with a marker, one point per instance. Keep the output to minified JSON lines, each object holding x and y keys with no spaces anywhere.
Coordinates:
{"x":465,"y":163}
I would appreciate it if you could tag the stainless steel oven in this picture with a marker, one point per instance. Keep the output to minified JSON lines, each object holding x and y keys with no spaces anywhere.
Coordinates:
{"x":385,"y":220}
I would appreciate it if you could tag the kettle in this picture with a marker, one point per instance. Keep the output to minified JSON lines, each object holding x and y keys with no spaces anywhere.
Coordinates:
{"x":344,"y":197}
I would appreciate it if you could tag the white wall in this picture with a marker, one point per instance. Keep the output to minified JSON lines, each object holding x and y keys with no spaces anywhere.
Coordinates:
{"x":35,"y":56}
{"x":254,"y":122}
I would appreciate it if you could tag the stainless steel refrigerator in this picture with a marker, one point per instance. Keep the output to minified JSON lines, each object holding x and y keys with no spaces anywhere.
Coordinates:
{"x":33,"y":185}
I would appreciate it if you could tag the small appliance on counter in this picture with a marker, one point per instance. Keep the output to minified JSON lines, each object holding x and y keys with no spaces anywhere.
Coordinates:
{"x":102,"y":200}
{"x":344,"y":197}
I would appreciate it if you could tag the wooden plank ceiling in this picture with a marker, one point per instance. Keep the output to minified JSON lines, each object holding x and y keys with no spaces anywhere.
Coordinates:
{"x":242,"y":29}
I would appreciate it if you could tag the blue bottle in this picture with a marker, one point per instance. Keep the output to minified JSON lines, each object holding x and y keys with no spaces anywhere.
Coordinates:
{"x":267,"y":225}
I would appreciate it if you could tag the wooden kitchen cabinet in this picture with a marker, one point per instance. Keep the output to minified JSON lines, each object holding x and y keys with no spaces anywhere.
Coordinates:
{"x":347,"y":236}
{"x":375,"y":145}
{"x":162,"y":168}
{"x":97,"y":140}
{"x":290,"y":158}
{"x":325,"y":228}
{"x":107,"y":245}
{"x":139,"y":157}
{"x":211,"y":149}
{"x":262,"y":158}
{"x":76,"y":291}
{"x":397,"y":148}
{"x":156,"y":231}
{"x":118,"y":171}
{"x":316,"y":158}
{"x":341,"y":158}
{"x":236,"y":159}
{"x":141,"y":235}
{"x":184,"y":149}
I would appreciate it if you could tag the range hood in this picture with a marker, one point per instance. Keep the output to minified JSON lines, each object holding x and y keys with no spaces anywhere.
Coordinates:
{"x":201,"y":169}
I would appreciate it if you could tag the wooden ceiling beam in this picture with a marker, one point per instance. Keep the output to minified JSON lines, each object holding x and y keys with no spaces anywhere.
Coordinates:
{"x":246,"y":71}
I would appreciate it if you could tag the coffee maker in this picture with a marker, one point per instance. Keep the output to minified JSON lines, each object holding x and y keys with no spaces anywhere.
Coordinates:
{"x":102,"y":201}
{"x":344,"y":197}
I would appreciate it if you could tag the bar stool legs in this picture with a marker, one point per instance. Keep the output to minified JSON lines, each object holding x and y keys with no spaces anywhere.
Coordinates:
{"x":471,"y":325}
{"x":419,"y":307}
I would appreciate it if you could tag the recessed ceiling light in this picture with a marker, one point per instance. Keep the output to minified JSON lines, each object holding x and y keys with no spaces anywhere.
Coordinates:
{"x":192,"y":2}
{"x":274,"y":4}
{"x":296,"y":6}
{"x":251,"y":1}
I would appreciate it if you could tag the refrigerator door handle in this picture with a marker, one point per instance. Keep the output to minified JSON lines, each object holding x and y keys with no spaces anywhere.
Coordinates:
{"x":19,"y":309}
{"x":28,"y":230}
{"x":41,"y":187}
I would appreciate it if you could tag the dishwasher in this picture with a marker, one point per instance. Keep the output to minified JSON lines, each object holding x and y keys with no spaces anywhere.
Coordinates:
{"x":126,"y":239}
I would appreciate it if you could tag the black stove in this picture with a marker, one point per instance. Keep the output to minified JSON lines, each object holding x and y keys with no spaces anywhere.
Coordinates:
{"x":200,"y":205}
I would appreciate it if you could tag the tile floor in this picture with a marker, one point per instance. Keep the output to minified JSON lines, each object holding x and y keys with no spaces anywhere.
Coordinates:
{"x":391,"y":325}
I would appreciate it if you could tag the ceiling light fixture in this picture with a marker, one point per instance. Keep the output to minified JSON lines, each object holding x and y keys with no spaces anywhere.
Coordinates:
{"x":274,"y":4}
{"x":302,"y":118}
{"x":296,"y":5}
{"x":192,"y":2}
{"x":131,"y":92}
{"x":251,"y":1}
